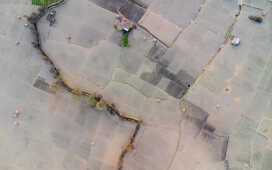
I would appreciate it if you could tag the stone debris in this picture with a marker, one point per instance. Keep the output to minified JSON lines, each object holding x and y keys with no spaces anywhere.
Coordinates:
{"x":264,"y":13}
{"x":68,"y":37}
{"x":115,"y":25}
{"x":237,"y":99}
{"x":35,"y":44}
{"x":256,"y":18}
{"x":227,"y":89}
{"x":26,"y":25}
{"x":122,"y":23}
{"x":235,"y":41}
{"x":183,"y":109}
{"x":188,"y":84}
{"x":246,"y":164}
{"x":158,"y":100}
{"x":17,"y":42}
{"x":19,"y":17}
{"x":51,"y":17}
{"x":16,"y":122}
{"x":17,"y":113}
{"x":118,"y":16}
{"x":218,"y":106}
{"x":126,"y":25}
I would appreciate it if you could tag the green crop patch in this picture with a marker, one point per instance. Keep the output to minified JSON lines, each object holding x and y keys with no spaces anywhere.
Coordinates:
{"x":43,"y":2}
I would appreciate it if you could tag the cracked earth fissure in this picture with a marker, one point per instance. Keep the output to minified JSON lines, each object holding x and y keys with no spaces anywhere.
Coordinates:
{"x":191,"y":21}
{"x":178,"y":144}
{"x":228,"y":36}
{"x":34,"y":19}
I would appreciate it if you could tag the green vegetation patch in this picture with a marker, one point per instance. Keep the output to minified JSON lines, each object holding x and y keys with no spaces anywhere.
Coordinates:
{"x":100,"y":105}
{"x":77,"y":92}
{"x":43,"y":2}
{"x":92,"y":101}
{"x":125,"y":38}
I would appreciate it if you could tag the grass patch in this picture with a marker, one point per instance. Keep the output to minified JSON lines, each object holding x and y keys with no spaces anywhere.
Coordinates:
{"x":77,"y":92}
{"x":92,"y":101}
{"x":100,"y":105}
{"x":43,"y":2}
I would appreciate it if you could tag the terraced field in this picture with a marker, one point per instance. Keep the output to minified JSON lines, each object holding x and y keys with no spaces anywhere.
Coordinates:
{"x":190,"y":99}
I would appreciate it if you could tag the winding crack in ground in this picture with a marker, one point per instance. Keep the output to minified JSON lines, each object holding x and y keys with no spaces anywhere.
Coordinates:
{"x":178,"y":143}
{"x":191,"y":21}
{"x":228,"y":36}
{"x":34,"y":19}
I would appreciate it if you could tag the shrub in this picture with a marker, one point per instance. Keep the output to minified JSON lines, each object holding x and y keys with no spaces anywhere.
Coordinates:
{"x":128,"y":145}
{"x":92,"y":101}
{"x":100,"y":105}
{"x":125,"y":43}
{"x":77,"y":92}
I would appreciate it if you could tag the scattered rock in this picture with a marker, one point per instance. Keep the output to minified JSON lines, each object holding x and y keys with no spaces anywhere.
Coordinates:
{"x":19,"y":17}
{"x":237,"y":99}
{"x":134,"y":25}
{"x":264,"y":13}
{"x":17,"y":113}
{"x":26,"y":25}
{"x":256,"y":18}
{"x":126,"y":24}
{"x":17,"y":42}
{"x":227,"y":89}
{"x":118,"y":16}
{"x":115,"y":25}
{"x":51,"y":17}
{"x":246,"y":164}
{"x":35,"y":44}
{"x":235,"y":41}
{"x":68,"y":37}
{"x":158,"y":100}
{"x":123,"y":24}
{"x":145,"y":38}
{"x":218,"y":106}
{"x":16,"y":122}
{"x":183,"y":109}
